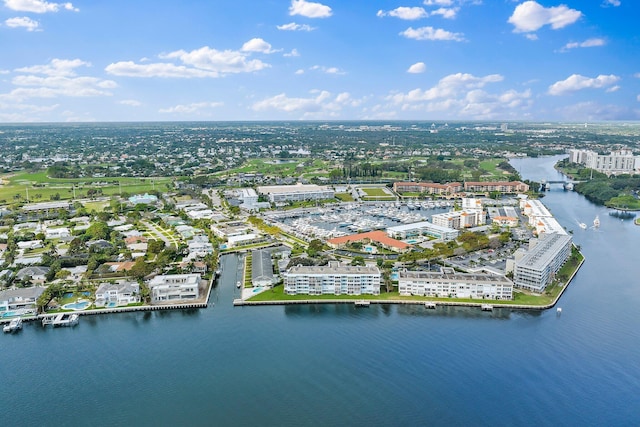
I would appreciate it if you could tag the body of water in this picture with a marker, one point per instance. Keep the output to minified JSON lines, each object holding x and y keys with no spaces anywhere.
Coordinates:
{"x":338,"y":365}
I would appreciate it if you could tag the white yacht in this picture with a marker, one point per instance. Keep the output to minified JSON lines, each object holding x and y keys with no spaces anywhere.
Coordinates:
{"x":13,"y":326}
{"x":596,"y":222}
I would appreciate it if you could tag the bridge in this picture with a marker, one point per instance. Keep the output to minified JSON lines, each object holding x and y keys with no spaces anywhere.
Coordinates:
{"x":566,"y":184}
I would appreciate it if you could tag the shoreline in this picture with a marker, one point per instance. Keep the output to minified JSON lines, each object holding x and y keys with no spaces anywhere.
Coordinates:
{"x":493,"y":303}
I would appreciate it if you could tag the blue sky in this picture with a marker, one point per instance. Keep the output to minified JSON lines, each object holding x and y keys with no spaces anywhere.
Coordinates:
{"x":161,"y":60}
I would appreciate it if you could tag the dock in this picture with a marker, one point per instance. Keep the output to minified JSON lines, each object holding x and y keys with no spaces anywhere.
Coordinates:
{"x":362,"y":303}
{"x":486,"y":307}
{"x":62,"y":319}
{"x":430,"y":305}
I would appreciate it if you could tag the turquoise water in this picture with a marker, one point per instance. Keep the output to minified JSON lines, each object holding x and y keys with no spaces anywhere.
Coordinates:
{"x":334,"y":365}
{"x":9,"y":314}
{"x":112,"y":304}
{"x":76,"y":305}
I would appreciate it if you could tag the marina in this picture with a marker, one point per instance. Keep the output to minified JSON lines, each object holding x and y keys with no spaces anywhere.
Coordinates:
{"x":62,"y":319}
{"x":13,"y":326}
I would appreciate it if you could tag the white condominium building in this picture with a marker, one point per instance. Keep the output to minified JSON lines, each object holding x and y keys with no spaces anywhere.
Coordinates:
{"x":174,"y":287}
{"x":534,"y":210}
{"x":459,"y":219}
{"x":450,"y":284}
{"x":615,"y":163}
{"x":536,"y":269}
{"x":335,"y":279}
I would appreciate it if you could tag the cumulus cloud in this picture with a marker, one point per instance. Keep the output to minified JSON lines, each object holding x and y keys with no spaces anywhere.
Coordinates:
{"x":406,"y":13}
{"x":577,"y":82}
{"x":327,"y":70}
{"x":438,"y":2}
{"x":446,"y":12}
{"x":430,"y":33}
{"x":614,"y":3}
{"x":58,"y":78}
{"x":292,"y":26}
{"x":257,"y":45}
{"x":38,"y":6}
{"x":449,"y":86}
{"x":130,"y":102}
{"x":319,"y":104}
{"x":190,"y":108}
{"x":531,"y":16}
{"x":463,"y":95}
{"x":594,"y":42}
{"x":417,"y":68}
{"x":22,"y":22}
{"x":198,"y":63}
{"x":294,"y":52}
{"x":309,"y":9}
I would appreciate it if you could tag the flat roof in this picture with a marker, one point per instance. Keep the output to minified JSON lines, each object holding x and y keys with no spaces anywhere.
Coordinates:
{"x":419,"y":225}
{"x":333,"y":268}
{"x":296,"y":188}
{"x":455,"y":277}
{"x":548,"y":246}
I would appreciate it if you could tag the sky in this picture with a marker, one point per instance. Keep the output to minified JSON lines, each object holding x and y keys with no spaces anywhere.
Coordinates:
{"x":169,"y":60}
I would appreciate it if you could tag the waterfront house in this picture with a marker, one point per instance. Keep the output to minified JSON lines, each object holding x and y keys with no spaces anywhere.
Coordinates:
{"x":119,"y":294}
{"x":20,"y":298}
{"x":174,"y":287}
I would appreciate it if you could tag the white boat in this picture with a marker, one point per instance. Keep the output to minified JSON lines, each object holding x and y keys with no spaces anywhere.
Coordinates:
{"x":582,"y":225}
{"x":13,"y":326}
{"x":596,"y":222}
{"x":238,"y":284}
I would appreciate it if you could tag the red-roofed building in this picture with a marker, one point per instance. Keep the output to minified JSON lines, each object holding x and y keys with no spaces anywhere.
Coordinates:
{"x":500,"y":186}
{"x":377,"y":236}
{"x":427,"y":187}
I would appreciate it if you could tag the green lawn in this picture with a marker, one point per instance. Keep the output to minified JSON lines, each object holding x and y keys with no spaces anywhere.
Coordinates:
{"x":375,"y":192}
{"x":277,"y":294}
{"x":344,"y":197}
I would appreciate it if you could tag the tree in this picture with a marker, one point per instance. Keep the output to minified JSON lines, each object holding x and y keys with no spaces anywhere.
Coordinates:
{"x":140,"y":268}
{"x":358,"y":260}
{"x":155,"y":246}
{"x":98,"y":230}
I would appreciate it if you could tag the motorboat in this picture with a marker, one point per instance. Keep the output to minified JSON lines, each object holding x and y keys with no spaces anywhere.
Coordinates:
{"x":13,"y":326}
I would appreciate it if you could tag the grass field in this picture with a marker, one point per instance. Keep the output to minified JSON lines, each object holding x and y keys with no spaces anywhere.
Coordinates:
{"x":375,"y":192}
{"x":39,"y":188}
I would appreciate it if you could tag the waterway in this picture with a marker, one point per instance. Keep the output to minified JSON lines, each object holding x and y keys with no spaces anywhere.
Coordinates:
{"x":338,"y":365}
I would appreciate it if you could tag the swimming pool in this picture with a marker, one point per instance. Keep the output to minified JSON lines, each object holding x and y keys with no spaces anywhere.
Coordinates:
{"x":112,"y":304}
{"x":8,"y":314}
{"x":78,"y":305}
{"x":256,"y":290}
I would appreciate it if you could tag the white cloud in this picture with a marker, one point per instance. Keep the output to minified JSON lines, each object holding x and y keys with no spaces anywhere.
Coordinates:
{"x":299,"y":72}
{"x":417,"y":68}
{"x":130,"y":102}
{"x":613,"y":89}
{"x":57,"y":67}
{"x":638,"y":98}
{"x":292,"y":26}
{"x":327,"y":70}
{"x":37,"y":6}
{"x":319,"y":104}
{"x":594,"y":42}
{"x":22,"y":22}
{"x":407,"y":13}
{"x":438,"y":2}
{"x":199,"y":63}
{"x":430,"y":33}
{"x":463,"y":95}
{"x":157,"y":69}
{"x":257,"y":45}
{"x":577,"y":82}
{"x":446,"y":12}
{"x":58,"y":78}
{"x":614,"y":3}
{"x":448,"y":87}
{"x":293,"y":53}
{"x":637,"y":75}
{"x":531,"y":16}
{"x":309,"y":9}
{"x":191,"y":108}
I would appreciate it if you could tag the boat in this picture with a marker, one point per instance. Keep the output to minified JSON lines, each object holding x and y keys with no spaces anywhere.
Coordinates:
{"x":362,"y":303}
{"x":62,"y":319}
{"x":238,"y":284}
{"x":13,"y":326}
{"x":582,"y":225}
{"x":596,"y":222}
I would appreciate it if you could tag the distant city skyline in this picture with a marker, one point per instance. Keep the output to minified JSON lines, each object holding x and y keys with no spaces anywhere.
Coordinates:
{"x":305,"y":60}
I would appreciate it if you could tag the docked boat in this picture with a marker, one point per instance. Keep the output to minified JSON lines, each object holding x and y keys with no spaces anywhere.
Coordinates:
{"x":596,"y":222}
{"x":238,"y":284}
{"x":62,"y":319}
{"x":13,"y":326}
